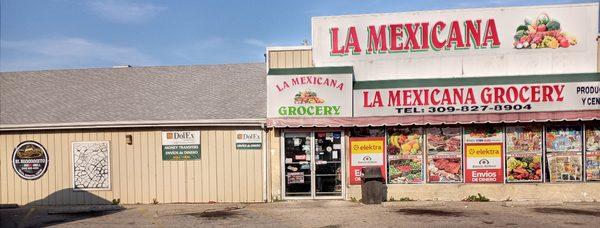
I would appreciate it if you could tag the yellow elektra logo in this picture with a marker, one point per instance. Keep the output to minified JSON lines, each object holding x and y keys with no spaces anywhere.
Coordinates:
{"x":367,"y":147}
{"x":494,"y":150}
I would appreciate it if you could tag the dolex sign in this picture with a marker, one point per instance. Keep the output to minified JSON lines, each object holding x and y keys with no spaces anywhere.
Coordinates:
{"x":555,"y":39}
{"x":181,"y":145}
{"x":248,"y":140}
{"x":309,"y":95}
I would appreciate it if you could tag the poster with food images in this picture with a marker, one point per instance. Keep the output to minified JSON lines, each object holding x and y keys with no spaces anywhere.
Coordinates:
{"x":525,"y":167}
{"x":563,"y":138}
{"x":564,"y":167}
{"x":592,"y":153}
{"x":524,"y":139}
{"x":405,"y":155}
{"x":524,"y":153}
{"x":444,"y":154}
{"x":483,"y":134}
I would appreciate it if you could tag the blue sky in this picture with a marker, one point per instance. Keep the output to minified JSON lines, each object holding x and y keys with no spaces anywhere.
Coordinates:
{"x":59,"y":34}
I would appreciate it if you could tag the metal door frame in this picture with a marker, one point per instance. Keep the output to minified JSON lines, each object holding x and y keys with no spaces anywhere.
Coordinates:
{"x":313,"y":188}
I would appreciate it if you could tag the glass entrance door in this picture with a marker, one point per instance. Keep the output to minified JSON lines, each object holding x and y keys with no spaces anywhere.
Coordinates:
{"x":328,"y":164}
{"x":313,"y":164}
{"x":297,"y":164}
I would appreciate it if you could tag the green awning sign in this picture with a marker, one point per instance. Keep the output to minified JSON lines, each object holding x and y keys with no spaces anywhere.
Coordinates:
{"x":181,"y":145}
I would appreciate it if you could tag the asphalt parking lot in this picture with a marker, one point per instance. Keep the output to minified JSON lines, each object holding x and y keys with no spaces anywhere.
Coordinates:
{"x":314,"y":214}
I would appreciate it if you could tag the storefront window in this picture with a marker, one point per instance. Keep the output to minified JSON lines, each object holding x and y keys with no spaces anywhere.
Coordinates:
{"x":564,"y":153}
{"x":444,"y":154}
{"x":592,"y":152}
{"x":524,"y":153}
{"x":405,"y":155}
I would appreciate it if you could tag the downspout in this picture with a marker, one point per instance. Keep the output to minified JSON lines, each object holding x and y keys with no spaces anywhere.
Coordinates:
{"x":264,"y":162}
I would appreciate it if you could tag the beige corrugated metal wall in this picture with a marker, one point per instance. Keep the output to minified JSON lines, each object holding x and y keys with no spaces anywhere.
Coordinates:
{"x":290,"y":58}
{"x":138,"y":173}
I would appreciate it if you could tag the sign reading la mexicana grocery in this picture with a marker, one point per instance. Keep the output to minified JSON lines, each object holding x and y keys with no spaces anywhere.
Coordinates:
{"x":419,"y":36}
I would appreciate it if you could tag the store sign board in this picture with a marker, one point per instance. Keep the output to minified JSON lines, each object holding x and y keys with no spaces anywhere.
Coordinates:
{"x":30,"y":160}
{"x":366,"y":151}
{"x":484,"y":163}
{"x":553,"y":39}
{"x":547,"y":97}
{"x":181,"y":145}
{"x":248,"y":140}
{"x":309,"y":96}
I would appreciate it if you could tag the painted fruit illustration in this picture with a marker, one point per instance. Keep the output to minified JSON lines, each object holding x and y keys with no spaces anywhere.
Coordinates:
{"x":307,"y":97}
{"x":543,"y":32}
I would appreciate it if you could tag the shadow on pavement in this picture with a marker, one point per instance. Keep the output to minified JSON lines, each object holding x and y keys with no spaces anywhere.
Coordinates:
{"x":35,"y":215}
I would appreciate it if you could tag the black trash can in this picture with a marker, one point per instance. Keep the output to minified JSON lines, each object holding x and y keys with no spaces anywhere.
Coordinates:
{"x":374,"y":190}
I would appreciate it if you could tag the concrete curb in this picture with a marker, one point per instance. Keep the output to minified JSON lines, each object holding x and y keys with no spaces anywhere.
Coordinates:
{"x":84,"y":209}
{"x":413,"y":203}
{"x":532,"y":203}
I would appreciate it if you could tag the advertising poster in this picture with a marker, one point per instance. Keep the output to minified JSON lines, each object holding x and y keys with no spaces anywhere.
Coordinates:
{"x":483,"y":163}
{"x":564,"y":148}
{"x":295,"y":178}
{"x":405,"y":155}
{"x":563,"y":139}
{"x":524,"y":153}
{"x":444,"y":154}
{"x":365,"y":151}
{"x":180,"y":145}
{"x":248,"y":140}
{"x":565,"y":167}
{"x":592,"y":153}
{"x":483,"y":134}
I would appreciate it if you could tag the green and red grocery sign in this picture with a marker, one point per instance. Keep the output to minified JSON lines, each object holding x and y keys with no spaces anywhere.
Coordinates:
{"x":308,"y":96}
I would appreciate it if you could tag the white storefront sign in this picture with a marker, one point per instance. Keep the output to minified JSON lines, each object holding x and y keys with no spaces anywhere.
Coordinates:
{"x":309,"y":96}
{"x":477,"y":99}
{"x":530,"y":40}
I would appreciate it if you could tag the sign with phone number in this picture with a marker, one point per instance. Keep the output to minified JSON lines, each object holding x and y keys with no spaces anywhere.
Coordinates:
{"x":478,"y":99}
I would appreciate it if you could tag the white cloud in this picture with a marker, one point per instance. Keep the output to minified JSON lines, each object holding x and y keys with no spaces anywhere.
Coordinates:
{"x":124,"y":11}
{"x":58,"y":53}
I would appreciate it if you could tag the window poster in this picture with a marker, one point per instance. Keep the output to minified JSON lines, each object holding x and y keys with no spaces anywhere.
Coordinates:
{"x":444,"y":154}
{"x":405,"y":155}
{"x":564,"y":153}
{"x":524,"y":153}
{"x":592,"y":153}
{"x":484,"y":152}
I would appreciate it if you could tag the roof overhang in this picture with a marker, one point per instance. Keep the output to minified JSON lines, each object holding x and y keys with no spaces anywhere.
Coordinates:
{"x":435,"y":119}
{"x":137,"y":124}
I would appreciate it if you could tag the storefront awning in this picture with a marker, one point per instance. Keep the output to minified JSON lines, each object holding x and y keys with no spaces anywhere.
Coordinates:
{"x":434,"y":119}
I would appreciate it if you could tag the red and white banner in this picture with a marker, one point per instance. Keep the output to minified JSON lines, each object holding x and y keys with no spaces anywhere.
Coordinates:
{"x":366,"y":151}
{"x":477,"y":99}
{"x":484,"y":163}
